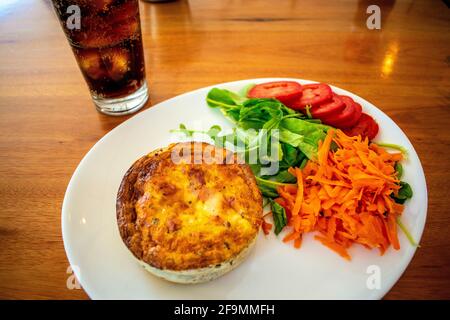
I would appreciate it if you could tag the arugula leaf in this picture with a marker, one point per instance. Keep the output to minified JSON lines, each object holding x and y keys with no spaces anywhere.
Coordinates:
{"x":268,"y":191}
{"x":303,"y":134}
{"x":405,"y":190}
{"x":260,"y":113}
{"x":223,"y":98}
{"x":269,"y":187}
{"x":229,"y":102}
{"x":270,"y":104}
{"x":404,"y":193}
{"x":282,"y":176}
{"x":306,"y":145}
{"x":256,"y":168}
{"x":292,"y":157}
{"x":302,"y":126}
{"x":279,"y":216}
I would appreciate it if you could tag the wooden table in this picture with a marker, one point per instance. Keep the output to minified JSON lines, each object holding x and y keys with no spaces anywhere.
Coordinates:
{"x":48,"y":122}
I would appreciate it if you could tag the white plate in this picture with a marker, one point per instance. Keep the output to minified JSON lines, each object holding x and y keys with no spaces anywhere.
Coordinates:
{"x":274,"y":270}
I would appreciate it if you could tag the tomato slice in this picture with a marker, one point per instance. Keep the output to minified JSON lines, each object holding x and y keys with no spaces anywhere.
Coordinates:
{"x":366,"y":127}
{"x":284,"y":91}
{"x":314,"y":95}
{"x":356,"y":115}
{"x":347,"y":117}
{"x":374,"y":130}
{"x":328,"y":109}
{"x":344,"y":119}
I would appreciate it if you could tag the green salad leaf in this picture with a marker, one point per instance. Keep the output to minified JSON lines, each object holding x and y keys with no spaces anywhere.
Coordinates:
{"x":268,"y":186}
{"x":228,"y":102}
{"x":282,"y":176}
{"x":279,"y":216}
{"x":223,"y":98}
{"x":404,"y":193}
{"x":306,"y":145}
{"x":292,"y":156}
{"x":399,"y":170}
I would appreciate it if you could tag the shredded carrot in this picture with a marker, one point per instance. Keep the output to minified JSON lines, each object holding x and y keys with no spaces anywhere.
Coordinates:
{"x":298,"y":242}
{"x":299,"y":197}
{"x":345,"y":196}
{"x":289,"y":198}
{"x":334,"y":246}
{"x":292,"y":236}
{"x":266,"y":227}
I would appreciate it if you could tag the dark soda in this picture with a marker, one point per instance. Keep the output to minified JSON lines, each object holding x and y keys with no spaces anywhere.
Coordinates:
{"x":107,"y":45}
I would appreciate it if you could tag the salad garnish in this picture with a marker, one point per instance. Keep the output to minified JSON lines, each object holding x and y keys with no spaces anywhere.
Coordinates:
{"x":331,"y":179}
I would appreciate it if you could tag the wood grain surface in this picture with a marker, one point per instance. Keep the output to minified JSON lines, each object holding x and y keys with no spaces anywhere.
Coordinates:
{"x":48,"y":122}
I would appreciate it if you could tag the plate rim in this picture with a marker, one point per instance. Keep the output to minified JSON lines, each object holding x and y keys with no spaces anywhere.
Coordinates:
{"x":378,"y":294}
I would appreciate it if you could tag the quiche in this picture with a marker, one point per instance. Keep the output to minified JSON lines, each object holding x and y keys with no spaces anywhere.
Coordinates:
{"x":189,"y":212}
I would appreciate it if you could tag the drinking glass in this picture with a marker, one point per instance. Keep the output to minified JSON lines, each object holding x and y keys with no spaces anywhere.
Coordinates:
{"x":105,"y":37}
